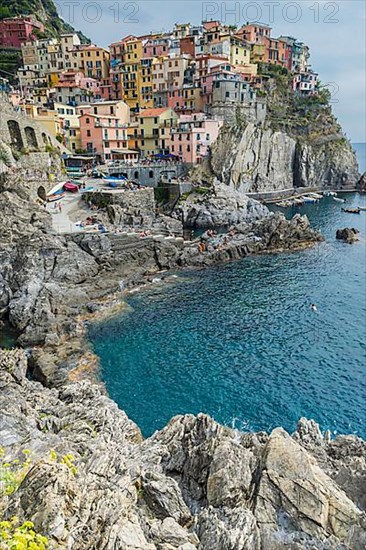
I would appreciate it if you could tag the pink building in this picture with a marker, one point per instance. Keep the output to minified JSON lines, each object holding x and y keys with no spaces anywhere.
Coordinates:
{"x":103,"y":128}
{"x":215,"y":73}
{"x":155,"y":47}
{"x":193,"y":137}
{"x":74,"y":88}
{"x":15,"y":31}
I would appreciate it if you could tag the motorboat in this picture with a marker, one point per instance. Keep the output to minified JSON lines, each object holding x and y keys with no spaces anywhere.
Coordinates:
{"x":351,"y":210}
{"x":329,"y":194}
{"x":338,"y":199}
{"x":309,"y":200}
{"x":315,"y":196}
{"x":113,"y":181}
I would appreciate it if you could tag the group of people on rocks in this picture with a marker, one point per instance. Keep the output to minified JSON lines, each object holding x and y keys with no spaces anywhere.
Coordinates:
{"x":211,"y":240}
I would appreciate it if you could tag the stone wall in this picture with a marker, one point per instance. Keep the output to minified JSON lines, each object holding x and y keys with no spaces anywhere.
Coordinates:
{"x":150,"y":175}
{"x":23,"y":133}
{"x":126,"y":207}
{"x":233,"y":114}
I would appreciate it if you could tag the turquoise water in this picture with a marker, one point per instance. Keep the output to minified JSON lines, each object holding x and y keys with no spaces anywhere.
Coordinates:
{"x":240,"y":341}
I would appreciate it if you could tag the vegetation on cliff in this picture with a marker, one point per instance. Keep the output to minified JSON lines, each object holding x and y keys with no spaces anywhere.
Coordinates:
{"x":45,"y":11}
{"x":307,"y":119}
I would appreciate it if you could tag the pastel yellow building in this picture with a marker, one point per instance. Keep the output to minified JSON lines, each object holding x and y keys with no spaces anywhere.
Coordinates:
{"x":91,"y":60}
{"x":258,"y":53}
{"x":131,"y":72}
{"x":155,"y":126}
{"x":46,"y":117}
{"x":70,"y":125}
{"x":239,"y":52}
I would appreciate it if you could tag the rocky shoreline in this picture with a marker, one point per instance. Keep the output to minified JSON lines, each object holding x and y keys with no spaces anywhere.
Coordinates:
{"x":49,"y":283}
{"x":86,"y":479}
{"x":89,"y":479}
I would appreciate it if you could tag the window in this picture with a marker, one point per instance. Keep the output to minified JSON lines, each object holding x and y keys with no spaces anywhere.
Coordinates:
{"x":106,"y":144}
{"x":172,"y":147}
{"x":111,"y":110}
{"x":87,"y":120}
{"x":188,"y":148}
{"x":88,"y":133}
{"x":156,"y":142}
{"x":207,"y":137}
{"x":155,"y":120}
{"x":95,"y":110}
{"x":151,"y":173}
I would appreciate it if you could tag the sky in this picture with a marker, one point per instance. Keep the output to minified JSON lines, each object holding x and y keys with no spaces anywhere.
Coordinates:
{"x":334,"y":31}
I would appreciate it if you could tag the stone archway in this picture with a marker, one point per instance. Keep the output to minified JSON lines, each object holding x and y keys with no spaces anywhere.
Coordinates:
{"x":30,"y":135}
{"x":15,"y":134}
{"x":41,"y":192}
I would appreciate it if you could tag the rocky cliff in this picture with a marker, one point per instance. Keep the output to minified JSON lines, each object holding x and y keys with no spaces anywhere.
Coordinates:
{"x":261,"y":159}
{"x":79,"y":469}
{"x":299,"y":144}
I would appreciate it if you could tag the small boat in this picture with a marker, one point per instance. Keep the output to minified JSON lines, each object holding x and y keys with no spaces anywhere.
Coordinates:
{"x":55,"y":197}
{"x":315,"y":196}
{"x":329,"y":194}
{"x":298,"y":202}
{"x":284,"y":204}
{"x":71,"y":187}
{"x":309,"y":200}
{"x":113,"y":181}
{"x":338,"y":199}
{"x":351,"y":210}
{"x":362,"y":208}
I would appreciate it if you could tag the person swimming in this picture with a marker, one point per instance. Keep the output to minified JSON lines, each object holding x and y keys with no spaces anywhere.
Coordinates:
{"x":313,"y":307}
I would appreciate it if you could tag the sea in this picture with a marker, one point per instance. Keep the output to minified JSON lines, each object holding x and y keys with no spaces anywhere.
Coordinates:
{"x":240,"y":341}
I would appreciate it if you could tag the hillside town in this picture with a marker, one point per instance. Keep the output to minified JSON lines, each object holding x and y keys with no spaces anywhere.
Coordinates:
{"x":157,"y":96}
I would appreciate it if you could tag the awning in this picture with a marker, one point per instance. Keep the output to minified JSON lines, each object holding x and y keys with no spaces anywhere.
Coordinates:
{"x":165,"y":156}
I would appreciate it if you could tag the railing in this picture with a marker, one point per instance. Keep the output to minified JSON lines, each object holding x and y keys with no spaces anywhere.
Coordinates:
{"x":97,"y":124}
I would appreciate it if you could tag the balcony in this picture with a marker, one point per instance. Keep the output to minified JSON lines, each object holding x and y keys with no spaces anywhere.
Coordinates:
{"x":102,"y":124}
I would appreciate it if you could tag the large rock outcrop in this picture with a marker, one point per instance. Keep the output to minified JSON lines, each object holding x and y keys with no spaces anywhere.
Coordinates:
{"x":220,"y":206}
{"x":361,"y":184}
{"x":90,"y":481}
{"x":256,"y":158}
